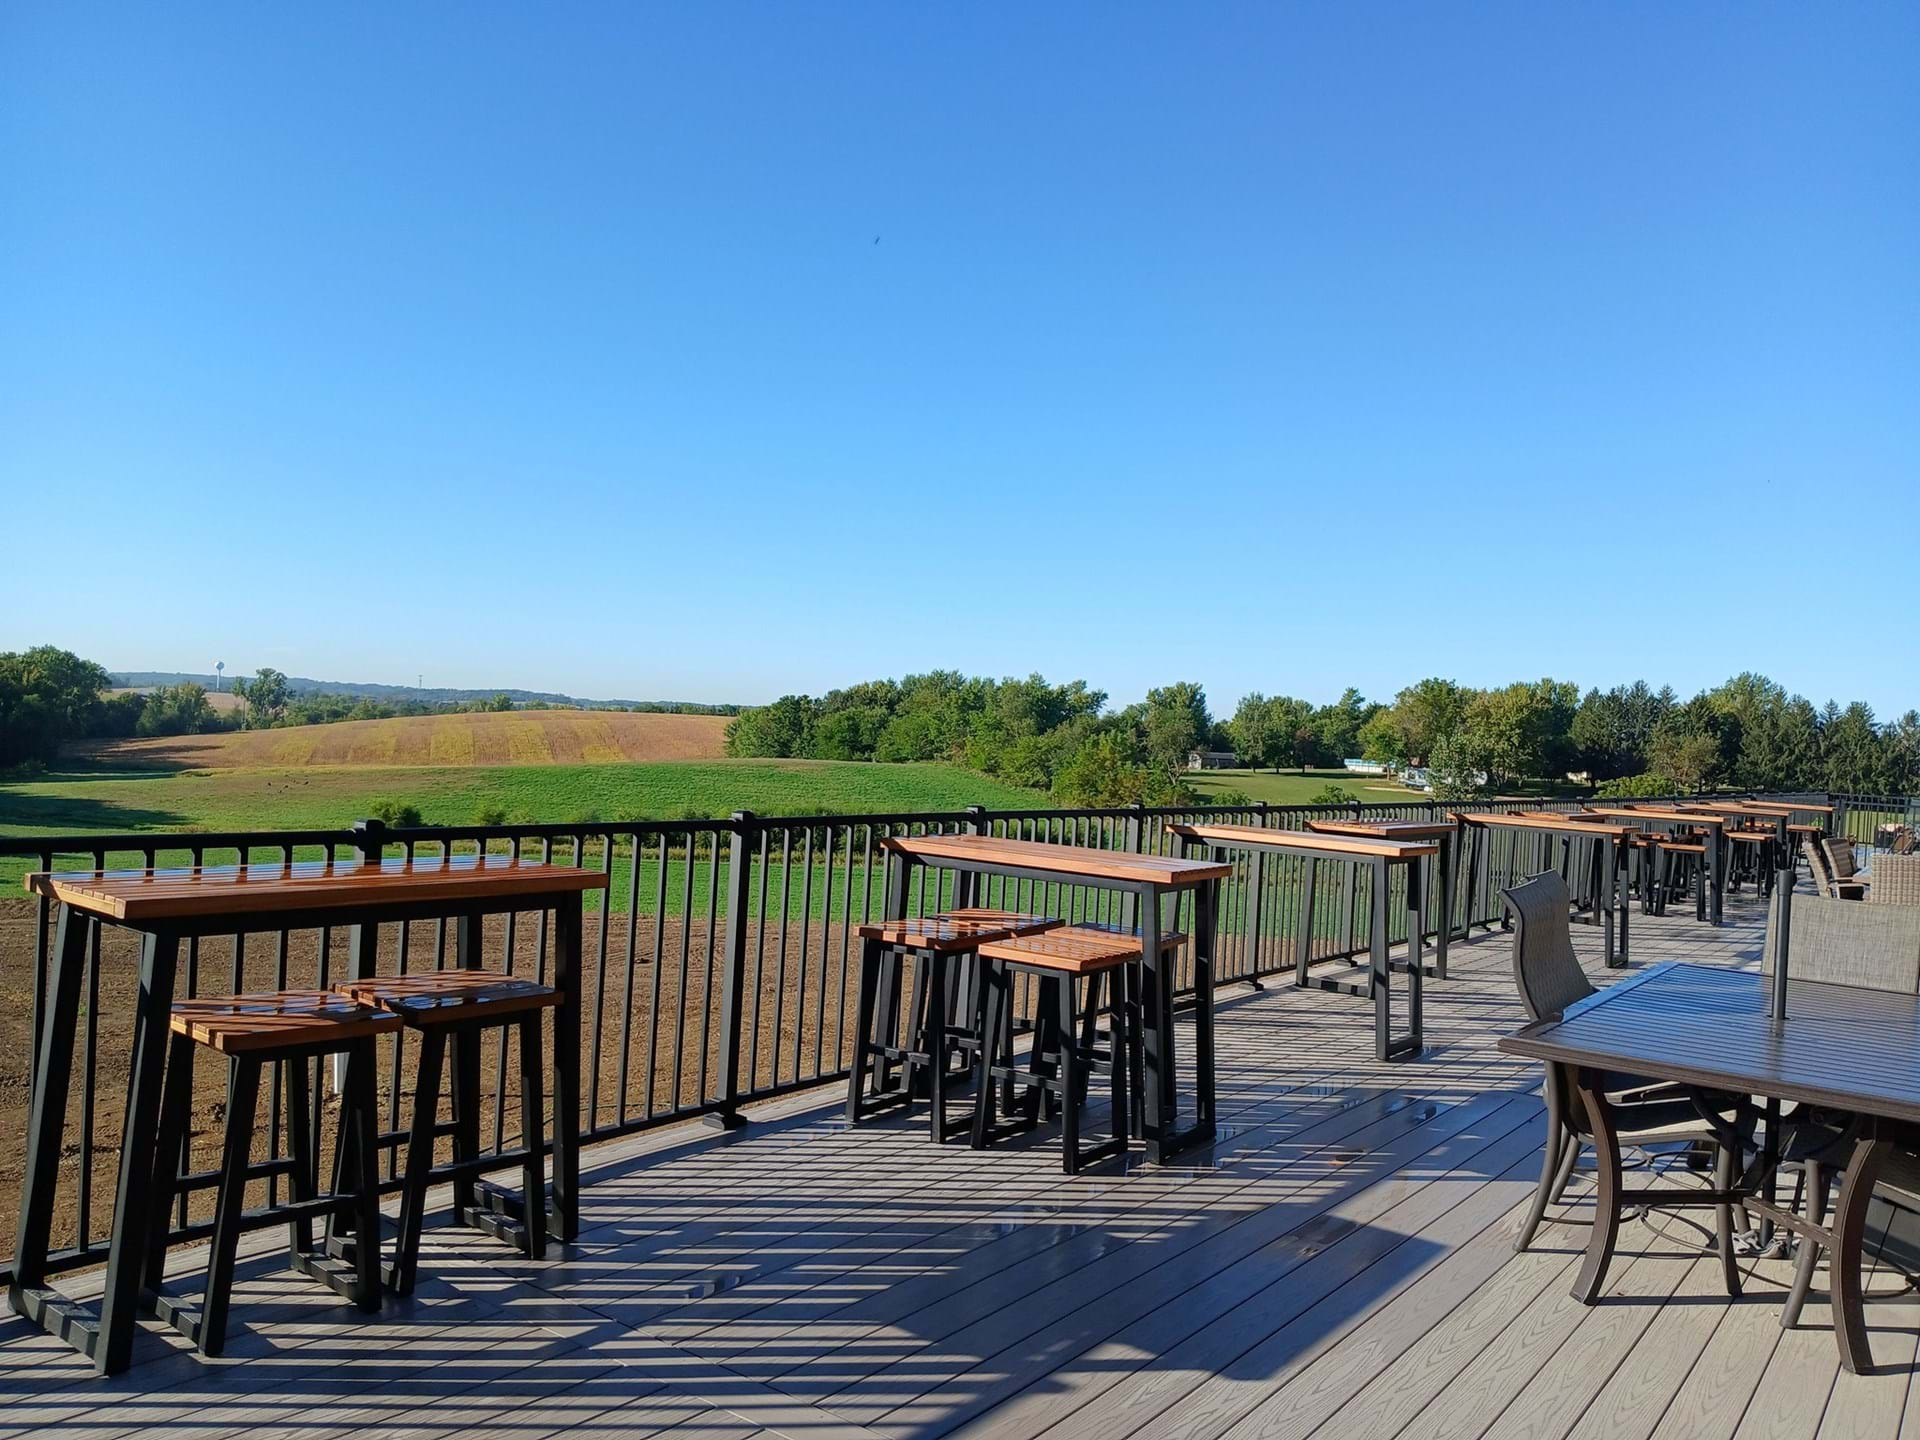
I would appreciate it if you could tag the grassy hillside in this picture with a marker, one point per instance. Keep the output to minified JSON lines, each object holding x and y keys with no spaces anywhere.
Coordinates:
{"x":1293,"y":788}
{"x":100,"y":799}
{"x":518,"y":737}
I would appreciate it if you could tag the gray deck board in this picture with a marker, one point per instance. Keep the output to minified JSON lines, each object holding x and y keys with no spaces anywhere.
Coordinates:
{"x":1339,"y":1266}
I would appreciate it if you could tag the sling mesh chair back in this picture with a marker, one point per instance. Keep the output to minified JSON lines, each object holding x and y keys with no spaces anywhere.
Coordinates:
{"x":1548,"y":974}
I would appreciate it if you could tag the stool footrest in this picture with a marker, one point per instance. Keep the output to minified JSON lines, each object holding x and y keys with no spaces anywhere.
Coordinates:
{"x":507,"y":1229}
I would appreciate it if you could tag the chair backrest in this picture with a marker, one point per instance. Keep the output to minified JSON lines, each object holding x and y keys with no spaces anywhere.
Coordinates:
{"x":1822,"y":867}
{"x":1545,"y":967}
{"x":1896,"y":880}
{"x":1840,"y":942}
{"x":1840,"y":852}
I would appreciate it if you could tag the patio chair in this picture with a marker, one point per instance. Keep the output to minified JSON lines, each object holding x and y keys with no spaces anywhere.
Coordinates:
{"x":1825,"y":882}
{"x":1548,"y":975}
{"x":1896,"y":880}
{"x":1875,"y":947}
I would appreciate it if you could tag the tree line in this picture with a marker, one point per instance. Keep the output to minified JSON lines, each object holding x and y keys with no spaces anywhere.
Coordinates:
{"x":51,"y":698}
{"x":1748,"y":733}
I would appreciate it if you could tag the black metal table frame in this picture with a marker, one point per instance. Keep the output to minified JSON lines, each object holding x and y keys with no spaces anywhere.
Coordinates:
{"x":1447,"y":837}
{"x":1610,"y":897}
{"x":1158,"y":1100}
{"x":1715,"y":879}
{"x":106,"y":1337}
{"x":1379,"y":987}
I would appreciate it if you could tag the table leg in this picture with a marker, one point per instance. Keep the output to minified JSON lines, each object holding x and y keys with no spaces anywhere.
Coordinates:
{"x":1716,"y":871}
{"x":1849,"y":1233}
{"x":1416,"y":973}
{"x":46,"y":1125}
{"x":1618,"y":858}
{"x":152,"y":1011}
{"x":1206,"y":935}
{"x":1604,"y":900}
{"x":1445,"y":881}
{"x":566,"y":1067}
{"x":1157,"y":1097}
{"x":1382,"y":969}
{"x":1606,"y":1199}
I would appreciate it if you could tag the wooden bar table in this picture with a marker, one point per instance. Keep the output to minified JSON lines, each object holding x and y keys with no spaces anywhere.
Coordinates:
{"x":1378,"y":856}
{"x":1442,"y":833}
{"x":1712,"y":826}
{"x":1610,"y":852}
{"x":168,"y":906}
{"x":1711,"y":1030}
{"x":1148,"y":879}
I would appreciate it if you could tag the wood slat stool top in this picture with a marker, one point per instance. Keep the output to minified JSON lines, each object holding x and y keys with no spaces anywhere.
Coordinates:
{"x":1169,"y":942}
{"x":1073,"y":950}
{"x":289,"y":1019}
{"x":956,"y":930}
{"x":446,"y":997}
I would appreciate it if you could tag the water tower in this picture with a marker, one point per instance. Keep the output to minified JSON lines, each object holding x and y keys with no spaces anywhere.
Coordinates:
{"x":219,"y":675}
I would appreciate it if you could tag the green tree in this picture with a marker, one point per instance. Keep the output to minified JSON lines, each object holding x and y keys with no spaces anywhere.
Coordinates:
{"x":782,"y":729}
{"x":1523,"y":729}
{"x":1612,"y":730}
{"x":1339,"y":724}
{"x":1255,"y":739}
{"x":1454,"y":771}
{"x":47,"y":698}
{"x":266,"y":696}
{"x":1420,"y":715}
{"x":177,"y":710}
{"x":1856,"y":762}
{"x":1175,"y":724}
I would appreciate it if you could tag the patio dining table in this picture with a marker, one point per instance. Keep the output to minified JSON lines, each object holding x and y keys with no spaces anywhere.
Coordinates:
{"x":1147,"y":880}
{"x":1849,"y":1052}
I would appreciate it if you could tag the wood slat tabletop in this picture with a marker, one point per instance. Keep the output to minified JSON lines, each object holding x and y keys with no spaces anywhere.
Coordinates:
{"x":1384,"y":829}
{"x":1065,"y":860}
{"x":1560,"y":823}
{"x":136,"y":895}
{"x":1842,"y":1047}
{"x":1650,"y":812}
{"x":1305,"y":840}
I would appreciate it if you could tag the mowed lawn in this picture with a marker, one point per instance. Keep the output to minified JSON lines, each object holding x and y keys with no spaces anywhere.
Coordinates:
{"x":1293,"y":788}
{"x":111,"y":801}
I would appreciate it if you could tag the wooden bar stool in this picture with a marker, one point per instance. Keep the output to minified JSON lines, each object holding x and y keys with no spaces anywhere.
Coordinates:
{"x":286,"y":1028}
{"x":1683,"y":863}
{"x":1061,"y":1062}
{"x":936,"y":1002}
{"x":457,"y":1007}
{"x":1091,"y":1006}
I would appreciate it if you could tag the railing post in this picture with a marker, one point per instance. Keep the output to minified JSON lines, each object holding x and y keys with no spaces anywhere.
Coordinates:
{"x":369,"y":841}
{"x":733,"y":975}
{"x":1135,"y":836}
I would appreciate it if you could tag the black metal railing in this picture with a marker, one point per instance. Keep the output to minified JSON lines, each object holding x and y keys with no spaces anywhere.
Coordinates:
{"x":719,"y":964}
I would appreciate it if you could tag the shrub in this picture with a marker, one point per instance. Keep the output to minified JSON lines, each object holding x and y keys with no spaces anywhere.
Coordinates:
{"x":1334,"y":795}
{"x":396,"y":813}
{"x":484,"y":814}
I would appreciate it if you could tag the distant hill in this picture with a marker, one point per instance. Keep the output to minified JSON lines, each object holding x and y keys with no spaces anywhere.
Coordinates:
{"x":504,"y":737}
{"x":427,"y":695}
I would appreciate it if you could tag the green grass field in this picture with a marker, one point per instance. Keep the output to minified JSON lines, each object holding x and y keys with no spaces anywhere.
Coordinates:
{"x":1292,"y":788}
{"x":105,"y":801}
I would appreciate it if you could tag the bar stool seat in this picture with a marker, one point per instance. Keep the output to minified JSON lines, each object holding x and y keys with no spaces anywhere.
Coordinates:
{"x":456,"y":1006}
{"x":286,"y":1028}
{"x":945,"y":987}
{"x":1062,"y":1057}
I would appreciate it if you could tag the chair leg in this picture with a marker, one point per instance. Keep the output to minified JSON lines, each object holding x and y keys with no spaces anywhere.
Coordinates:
{"x":1808,"y":1259}
{"x":1569,"y":1159}
{"x":863,"y":1028}
{"x":176,"y":1106}
{"x":413,"y":1193}
{"x":934,"y":1042}
{"x":1070,"y":1076}
{"x":301,"y":1181}
{"x":464,"y":1051}
{"x":1724,"y":1168}
{"x":533,"y":1176}
{"x":363,"y":1113}
{"x":229,"y":1204}
{"x":1119,"y":1051}
{"x":993,"y":1004}
{"x":1545,"y":1191}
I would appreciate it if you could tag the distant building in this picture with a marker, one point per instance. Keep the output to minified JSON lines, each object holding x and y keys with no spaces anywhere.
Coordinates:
{"x":1212,"y":760}
{"x":1368,"y":767}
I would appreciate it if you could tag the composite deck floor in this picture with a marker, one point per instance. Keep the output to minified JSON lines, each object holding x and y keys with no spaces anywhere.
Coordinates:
{"x":1340,"y":1265}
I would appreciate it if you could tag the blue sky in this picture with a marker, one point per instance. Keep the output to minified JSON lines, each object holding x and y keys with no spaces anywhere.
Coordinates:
{"x":717,"y":351}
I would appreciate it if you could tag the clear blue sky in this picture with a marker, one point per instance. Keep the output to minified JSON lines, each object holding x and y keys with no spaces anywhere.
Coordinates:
{"x":714,"y":351}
